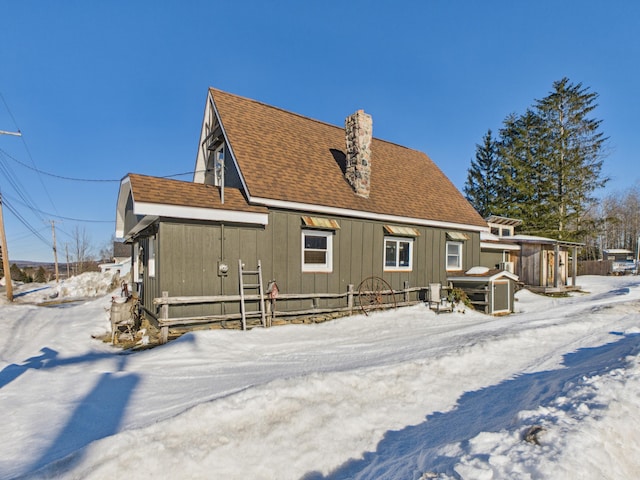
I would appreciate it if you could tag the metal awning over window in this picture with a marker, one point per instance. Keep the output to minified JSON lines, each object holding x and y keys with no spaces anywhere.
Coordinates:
{"x":402,"y":231}
{"x":317,"y":222}
{"x":457,"y":236}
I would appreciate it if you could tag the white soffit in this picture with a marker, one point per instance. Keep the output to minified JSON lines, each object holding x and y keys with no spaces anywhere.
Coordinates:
{"x":344,"y":212}
{"x":195,"y":213}
{"x":499,"y":246}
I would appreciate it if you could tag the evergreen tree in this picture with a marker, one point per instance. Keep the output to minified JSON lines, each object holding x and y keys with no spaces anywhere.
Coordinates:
{"x":572,"y":154}
{"x":16,"y":273}
{"x":524,"y":177}
{"x":40,"y":276}
{"x":482,"y":182}
{"x":549,"y":164}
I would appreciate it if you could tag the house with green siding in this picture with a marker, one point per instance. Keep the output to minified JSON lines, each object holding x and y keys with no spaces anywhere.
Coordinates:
{"x":320,"y":207}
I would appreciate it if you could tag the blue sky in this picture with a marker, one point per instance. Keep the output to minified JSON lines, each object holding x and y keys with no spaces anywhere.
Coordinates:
{"x":101,"y":89}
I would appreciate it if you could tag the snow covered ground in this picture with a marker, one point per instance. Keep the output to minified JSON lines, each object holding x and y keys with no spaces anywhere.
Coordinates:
{"x":404,"y":394}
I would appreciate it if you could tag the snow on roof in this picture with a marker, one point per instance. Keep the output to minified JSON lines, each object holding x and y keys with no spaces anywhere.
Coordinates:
{"x":616,"y":250}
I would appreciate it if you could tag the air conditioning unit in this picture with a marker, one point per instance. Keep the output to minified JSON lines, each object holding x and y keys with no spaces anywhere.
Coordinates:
{"x":508,"y":266}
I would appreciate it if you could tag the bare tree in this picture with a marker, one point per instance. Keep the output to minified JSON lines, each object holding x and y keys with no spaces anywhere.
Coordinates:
{"x":620,"y":212}
{"x":81,"y":249}
{"x":106,"y":251}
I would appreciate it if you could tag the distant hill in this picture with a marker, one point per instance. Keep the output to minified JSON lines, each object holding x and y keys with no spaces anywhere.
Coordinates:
{"x":31,"y":264}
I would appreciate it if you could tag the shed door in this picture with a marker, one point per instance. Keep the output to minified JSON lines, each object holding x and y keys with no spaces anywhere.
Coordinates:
{"x":501,"y":296}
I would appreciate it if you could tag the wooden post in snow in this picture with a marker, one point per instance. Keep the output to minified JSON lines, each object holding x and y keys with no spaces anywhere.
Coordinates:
{"x":164,"y":315}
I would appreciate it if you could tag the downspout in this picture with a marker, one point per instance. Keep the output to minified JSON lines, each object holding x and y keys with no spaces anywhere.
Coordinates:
{"x":222,"y":260}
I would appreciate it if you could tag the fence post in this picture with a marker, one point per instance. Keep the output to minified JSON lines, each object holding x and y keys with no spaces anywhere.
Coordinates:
{"x":164,"y":315}
{"x":486,"y":299}
{"x":406,"y":293}
{"x":350,"y":298}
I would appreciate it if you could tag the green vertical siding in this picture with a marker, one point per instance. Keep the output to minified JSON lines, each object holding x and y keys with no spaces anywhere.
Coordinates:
{"x":491,"y":258}
{"x":188,"y":253}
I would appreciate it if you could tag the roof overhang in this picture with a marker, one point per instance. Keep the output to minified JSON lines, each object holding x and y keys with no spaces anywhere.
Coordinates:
{"x":498,"y":220}
{"x":499,"y":246}
{"x":149,"y":212}
{"x":544,"y":241}
{"x":121,"y":206}
{"x":490,"y":277}
{"x":198,"y":213}
{"x":344,"y":212}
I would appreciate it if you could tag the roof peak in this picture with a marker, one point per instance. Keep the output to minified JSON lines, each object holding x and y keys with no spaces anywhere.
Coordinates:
{"x":306,"y":117}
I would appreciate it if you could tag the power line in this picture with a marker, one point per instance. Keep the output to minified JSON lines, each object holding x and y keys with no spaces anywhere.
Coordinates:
{"x":24,"y":236}
{"x":82,"y":220}
{"x":76,"y":179}
{"x":61,"y":177}
{"x":26,"y":147}
{"x":22,"y":220}
{"x":17,"y":186}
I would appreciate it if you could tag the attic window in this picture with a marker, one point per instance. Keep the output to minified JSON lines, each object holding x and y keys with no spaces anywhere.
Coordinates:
{"x":317,"y":222}
{"x":218,"y":165}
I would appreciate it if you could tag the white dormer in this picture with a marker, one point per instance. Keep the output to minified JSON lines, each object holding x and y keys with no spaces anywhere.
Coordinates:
{"x":502,"y":226}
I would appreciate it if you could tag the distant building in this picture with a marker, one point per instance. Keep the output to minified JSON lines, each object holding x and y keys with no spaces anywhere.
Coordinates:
{"x":121,"y":259}
{"x":541,"y":264}
{"x":623,"y":260}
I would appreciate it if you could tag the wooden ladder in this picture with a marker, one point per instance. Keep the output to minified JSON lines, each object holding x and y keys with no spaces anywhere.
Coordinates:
{"x":251,"y":286}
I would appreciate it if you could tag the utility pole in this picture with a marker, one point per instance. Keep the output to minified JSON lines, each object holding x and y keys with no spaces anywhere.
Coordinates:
{"x":3,"y":239}
{"x":5,"y":257}
{"x":66,"y":249}
{"x":55,"y":250}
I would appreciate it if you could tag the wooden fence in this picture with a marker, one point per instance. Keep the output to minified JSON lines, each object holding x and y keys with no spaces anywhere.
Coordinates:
{"x":379,"y":299}
{"x":595,"y":267}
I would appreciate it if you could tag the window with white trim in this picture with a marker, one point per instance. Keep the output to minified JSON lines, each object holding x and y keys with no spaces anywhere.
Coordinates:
{"x":398,"y":253}
{"x":454,"y":255}
{"x":317,"y":251}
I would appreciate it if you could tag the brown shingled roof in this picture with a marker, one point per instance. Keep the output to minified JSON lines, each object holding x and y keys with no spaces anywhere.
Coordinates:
{"x":147,"y":189}
{"x":288,"y":157}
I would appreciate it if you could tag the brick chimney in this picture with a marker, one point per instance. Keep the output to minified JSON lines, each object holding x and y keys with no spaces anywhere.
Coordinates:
{"x":358,"y":131}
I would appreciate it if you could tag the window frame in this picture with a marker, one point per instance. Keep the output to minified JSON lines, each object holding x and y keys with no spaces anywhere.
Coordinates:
{"x":218,"y":167}
{"x":460,"y":245}
{"x":397,"y":267}
{"x":138,"y":267}
{"x":326,"y":267}
{"x":151,"y":257}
